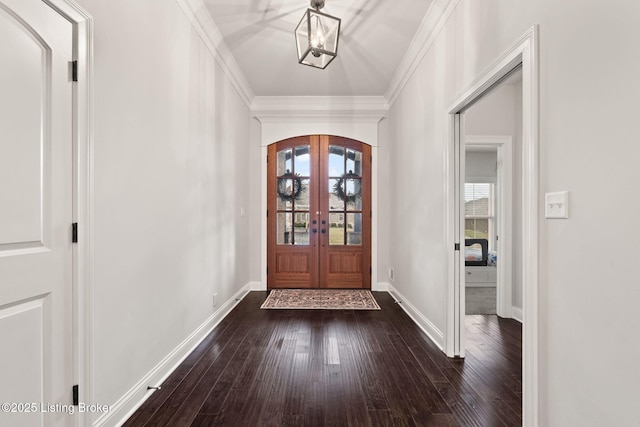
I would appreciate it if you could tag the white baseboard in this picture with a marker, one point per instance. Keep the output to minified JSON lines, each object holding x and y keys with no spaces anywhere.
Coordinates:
{"x":257,"y":286}
{"x":425,"y":324}
{"x":380,"y":287}
{"x":138,"y":394}
{"x":517,"y":314}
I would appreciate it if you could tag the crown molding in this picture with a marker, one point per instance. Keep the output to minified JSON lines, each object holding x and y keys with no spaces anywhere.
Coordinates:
{"x":201,"y":20}
{"x":265,"y":107}
{"x":310,"y":119}
{"x":429,"y":29}
{"x":431,"y":25}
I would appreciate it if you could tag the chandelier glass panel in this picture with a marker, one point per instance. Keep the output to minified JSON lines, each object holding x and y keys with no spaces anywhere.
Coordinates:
{"x":317,"y":37}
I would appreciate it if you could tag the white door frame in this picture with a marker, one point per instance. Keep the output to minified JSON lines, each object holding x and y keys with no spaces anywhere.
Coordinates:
{"x":524,"y":51}
{"x":504,"y":210}
{"x":82,"y":199}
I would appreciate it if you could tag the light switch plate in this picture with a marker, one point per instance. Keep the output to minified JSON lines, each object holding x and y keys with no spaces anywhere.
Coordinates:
{"x":556,"y":205}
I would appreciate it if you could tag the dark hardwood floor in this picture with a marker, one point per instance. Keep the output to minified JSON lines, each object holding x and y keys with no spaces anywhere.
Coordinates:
{"x":340,"y":368}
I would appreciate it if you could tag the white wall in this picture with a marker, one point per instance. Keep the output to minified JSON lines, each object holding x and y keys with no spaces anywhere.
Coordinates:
{"x":418,"y":249}
{"x":494,"y":113}
{"x":256,"y":214}
{"x":171,"y":139}
{"x":588,"y":146}
{"x":382,"y":214}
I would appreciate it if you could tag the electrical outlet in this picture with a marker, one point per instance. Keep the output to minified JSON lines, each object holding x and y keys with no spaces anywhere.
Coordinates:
{"x":391,"y":274}
{"x":215,"y":300}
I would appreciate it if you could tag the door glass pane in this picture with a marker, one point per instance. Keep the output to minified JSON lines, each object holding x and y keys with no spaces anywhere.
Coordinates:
{"x":336,"y":229}
{"x":285,"y":164}
{"x":293,"y":190}
{"x":353,"y":194}
{"x":285,"y":236}
{"x":336,"y":161}
{"x":301,"y":228}
{"x":335,"y":203}
{"x":354,"y":162}
{"x":345,"y":190}
{"x":302,"y":163}
{"x":354,"y":229}
{"x":302,"y":201}
{"x":285,"y":194}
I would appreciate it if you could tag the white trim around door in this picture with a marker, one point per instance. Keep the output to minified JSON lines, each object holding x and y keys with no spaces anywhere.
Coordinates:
{"x":82,"y":199}
{"x":523,"y":52}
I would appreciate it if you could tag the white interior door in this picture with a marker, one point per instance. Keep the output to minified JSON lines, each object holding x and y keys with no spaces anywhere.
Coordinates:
{"x":36,"y":162}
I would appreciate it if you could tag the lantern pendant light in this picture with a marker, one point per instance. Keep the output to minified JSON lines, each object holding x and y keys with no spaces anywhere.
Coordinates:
{"x":317,"y":37}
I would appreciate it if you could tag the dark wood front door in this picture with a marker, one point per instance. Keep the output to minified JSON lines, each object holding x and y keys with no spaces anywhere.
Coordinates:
{"x":319,"y":213}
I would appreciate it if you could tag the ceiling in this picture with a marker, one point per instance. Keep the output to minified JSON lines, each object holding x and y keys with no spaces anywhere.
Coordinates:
{"x":374,"y":38}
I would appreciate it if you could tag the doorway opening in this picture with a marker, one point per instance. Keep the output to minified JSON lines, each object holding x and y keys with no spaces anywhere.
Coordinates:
{"x":489,"y":219}
{"x":488,"y":212}
{"x":492,"y":139}
{"x":522,"y":54}
{"x":319,"y":213}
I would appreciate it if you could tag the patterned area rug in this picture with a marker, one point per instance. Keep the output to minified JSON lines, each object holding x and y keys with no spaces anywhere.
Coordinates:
{"x":321,"y":299}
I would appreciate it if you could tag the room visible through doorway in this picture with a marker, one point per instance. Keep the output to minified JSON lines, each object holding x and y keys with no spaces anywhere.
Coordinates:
{"x":492,"y":140}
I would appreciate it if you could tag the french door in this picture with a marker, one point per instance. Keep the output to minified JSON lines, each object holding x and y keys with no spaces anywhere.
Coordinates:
{"x":319,"y":213}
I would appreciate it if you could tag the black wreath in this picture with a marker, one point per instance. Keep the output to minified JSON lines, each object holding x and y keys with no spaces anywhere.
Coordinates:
{"x":339,"y":188}
{"x":295,"y":192}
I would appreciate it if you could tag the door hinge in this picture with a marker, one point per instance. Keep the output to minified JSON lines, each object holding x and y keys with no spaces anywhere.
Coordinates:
{"x":74,"y":232}
{"x":74,"y":71}
{"x":76,"y":399}
{"x":457,"y":247}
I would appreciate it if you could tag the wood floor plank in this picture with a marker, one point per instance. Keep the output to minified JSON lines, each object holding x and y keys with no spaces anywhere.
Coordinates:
{"x":183,"y":414}
{"x":159,"y":397}
{"x":318,"y":368}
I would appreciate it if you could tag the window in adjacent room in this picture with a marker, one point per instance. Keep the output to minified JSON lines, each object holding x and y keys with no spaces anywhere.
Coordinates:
{"x":479,"y":212}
